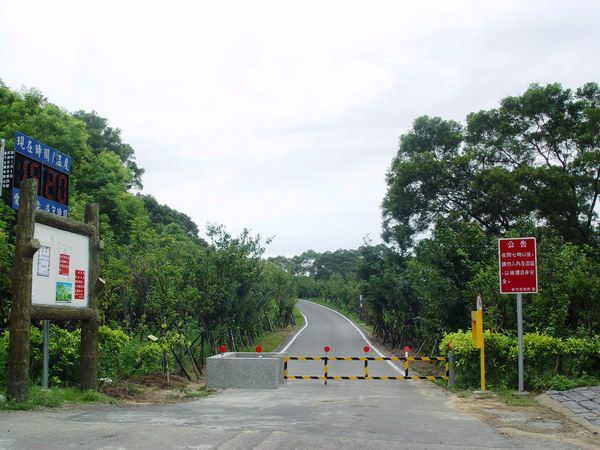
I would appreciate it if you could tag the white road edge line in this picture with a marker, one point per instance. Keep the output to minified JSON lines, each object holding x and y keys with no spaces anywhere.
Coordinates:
{"x":392,"y":365}
{"x":284,"y":349}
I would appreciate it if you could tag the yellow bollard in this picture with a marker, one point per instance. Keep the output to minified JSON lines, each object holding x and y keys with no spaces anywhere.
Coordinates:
{"x":477,"y":330}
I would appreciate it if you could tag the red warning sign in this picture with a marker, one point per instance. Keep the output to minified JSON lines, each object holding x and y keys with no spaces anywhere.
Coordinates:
{"x":79,"y":285}
{"x":518,"y":265}
{"x":63,"y":264}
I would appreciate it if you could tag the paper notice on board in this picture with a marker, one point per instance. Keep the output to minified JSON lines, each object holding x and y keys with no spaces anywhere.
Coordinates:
{"x":63,"y":264}
{"x":79,"y":284}
{"x":64,"y":292}
{"x":43,"y":262}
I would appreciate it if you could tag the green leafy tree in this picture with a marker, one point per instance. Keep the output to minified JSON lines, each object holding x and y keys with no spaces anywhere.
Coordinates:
{"x":102,"y":138}
{"x":535,"y":156}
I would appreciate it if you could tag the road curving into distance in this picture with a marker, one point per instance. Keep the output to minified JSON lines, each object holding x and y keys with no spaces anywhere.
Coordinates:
{"x":326,"y":327}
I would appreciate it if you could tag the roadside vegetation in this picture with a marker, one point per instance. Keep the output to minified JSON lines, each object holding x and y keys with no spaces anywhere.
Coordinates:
{"x":530,"y":167}
{"x":171,"y":297}
{"x":55,"y":397}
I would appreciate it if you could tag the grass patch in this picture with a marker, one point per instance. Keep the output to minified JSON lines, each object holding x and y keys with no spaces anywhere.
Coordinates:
{"x":510,"y":398}
{"x":199,"y":394}
{"x":54,"y":398}
{"x":298,"y":318}
{"x":513,"y":399}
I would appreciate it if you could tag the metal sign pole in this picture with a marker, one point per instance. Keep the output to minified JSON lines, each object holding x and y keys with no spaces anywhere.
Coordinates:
{"x":45,"y":358}
{"x":520,"y":337}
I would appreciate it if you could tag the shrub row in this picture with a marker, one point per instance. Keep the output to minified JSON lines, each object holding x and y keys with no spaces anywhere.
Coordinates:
{"x":118,"y":356}
{"x":549,"y":362}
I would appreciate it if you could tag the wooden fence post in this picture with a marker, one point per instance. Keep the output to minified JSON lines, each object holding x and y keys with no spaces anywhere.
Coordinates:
{"x":17,"y":387}
{"x":88,"y":374}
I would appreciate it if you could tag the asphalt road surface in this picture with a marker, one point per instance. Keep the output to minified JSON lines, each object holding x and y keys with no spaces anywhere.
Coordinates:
{"x":326,"y":327}
{"x":299,"y":415}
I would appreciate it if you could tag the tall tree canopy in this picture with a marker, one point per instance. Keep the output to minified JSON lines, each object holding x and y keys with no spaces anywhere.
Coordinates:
{"x":536,"y":156}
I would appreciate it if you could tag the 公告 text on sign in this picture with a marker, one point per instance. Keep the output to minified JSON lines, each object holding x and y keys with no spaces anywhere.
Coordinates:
{"x":518,"y":265}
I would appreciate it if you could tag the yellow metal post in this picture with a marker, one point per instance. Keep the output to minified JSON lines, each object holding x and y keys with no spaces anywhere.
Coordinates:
{"x":477,"y":330}
{"x":482,"y":364}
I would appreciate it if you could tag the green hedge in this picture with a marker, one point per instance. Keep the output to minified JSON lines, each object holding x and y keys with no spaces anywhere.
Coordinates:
{"x":118,"y":355}
{"x":550,"y":363}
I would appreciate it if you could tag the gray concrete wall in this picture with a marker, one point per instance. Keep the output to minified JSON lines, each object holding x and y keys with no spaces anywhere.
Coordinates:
{"x":245,"y":370}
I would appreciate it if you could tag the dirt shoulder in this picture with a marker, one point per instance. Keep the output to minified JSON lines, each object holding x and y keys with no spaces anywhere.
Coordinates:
{"x":152,"y":389}
{"x":533,"y":422}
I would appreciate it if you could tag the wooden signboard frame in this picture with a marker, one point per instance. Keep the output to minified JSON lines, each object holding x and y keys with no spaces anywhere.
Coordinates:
{"x":22,"y":311}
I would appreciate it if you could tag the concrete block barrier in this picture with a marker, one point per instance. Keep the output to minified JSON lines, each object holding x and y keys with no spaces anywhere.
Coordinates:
{"x":245,"y":370}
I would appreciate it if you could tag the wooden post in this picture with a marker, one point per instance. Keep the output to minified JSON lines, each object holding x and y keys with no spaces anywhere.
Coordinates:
{"x":17,"y":387}
{"x":88,"y":374}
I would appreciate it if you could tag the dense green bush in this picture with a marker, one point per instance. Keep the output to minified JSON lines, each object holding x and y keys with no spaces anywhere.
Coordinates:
{"x":550,"y":363}
{"x":118,"y":356}
{"x":110,"y":355}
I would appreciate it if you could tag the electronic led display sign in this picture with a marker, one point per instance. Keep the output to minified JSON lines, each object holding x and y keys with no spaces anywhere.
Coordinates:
{"x":49,"y":166}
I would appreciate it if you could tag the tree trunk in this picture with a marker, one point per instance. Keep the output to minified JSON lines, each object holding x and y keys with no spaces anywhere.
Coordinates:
{"x":232,"y":341}
{"x":165,"y":367}
{"x":194,"y":363}
{"x":180,"y":363}
{"x":202,"y":355}
{"x":17,"y":386}
{"x":88,"y":371}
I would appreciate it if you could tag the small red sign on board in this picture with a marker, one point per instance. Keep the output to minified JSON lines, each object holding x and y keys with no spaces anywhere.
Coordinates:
{"x":406,"y":349}
{"x":366,"y":349}
{"x":63,"y":264}
{"x":79,"y":284}
{"x":518,"y":265}
{"x":326,"y":348}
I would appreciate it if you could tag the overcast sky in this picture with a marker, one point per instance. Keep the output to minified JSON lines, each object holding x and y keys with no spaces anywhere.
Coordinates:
{"x":282,"y":116}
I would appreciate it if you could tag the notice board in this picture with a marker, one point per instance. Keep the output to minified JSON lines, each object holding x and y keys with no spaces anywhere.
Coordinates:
{"x":518,"y":265}
{"x":60,"y":268}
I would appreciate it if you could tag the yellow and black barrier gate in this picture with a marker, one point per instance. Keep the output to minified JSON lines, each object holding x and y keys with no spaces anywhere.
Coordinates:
{"x":366,"y":375}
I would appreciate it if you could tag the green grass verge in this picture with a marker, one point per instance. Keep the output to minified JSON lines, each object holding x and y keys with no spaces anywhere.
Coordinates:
{"x":199,"y":394}
{"x":514,"y":399}
{"x":55,"y":397}
{"x":270,"y":342}
{"x":298,"y":319}
{"x":510,"y":398}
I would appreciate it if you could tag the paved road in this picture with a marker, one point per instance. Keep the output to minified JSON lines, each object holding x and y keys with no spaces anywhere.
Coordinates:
{"x":300,"y":415}
{"x":329,"y":328}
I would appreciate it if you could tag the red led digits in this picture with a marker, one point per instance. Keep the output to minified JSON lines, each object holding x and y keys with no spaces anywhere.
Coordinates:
{"x":35,"y":169}
{"x":26,"y":168}
{"x":50,"y":184}
{"x":55,"y":185}
{"x":62,"y":191}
